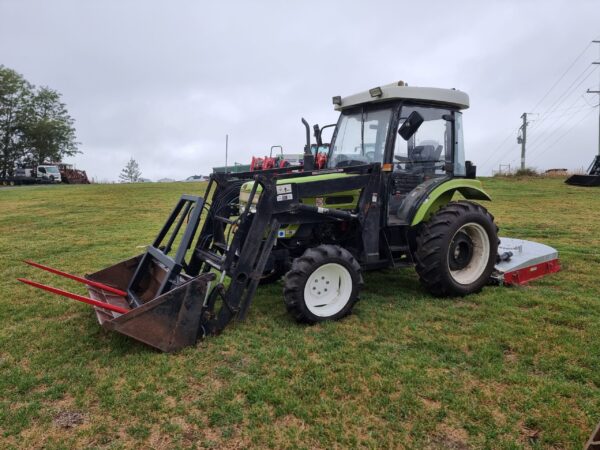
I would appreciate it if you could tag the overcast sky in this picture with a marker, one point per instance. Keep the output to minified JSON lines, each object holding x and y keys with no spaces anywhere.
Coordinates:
{"x":163,"y":82}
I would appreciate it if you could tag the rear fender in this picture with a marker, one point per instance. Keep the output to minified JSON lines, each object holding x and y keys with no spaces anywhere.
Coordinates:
{"x":430,"y":202}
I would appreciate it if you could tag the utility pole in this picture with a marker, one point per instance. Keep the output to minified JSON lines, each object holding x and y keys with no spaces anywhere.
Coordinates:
{"x":522,"y":139}
{"x":597,"y":92}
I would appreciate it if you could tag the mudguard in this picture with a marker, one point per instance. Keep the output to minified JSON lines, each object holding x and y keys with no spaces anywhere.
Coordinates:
{"x":430,"y":196}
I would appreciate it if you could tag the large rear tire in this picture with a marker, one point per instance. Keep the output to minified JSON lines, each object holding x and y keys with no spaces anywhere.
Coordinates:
{"x":456,"y":249}
{"x":323,"y":284}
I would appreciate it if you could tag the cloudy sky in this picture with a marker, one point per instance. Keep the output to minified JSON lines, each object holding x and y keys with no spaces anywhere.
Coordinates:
{"x":163,"y":82}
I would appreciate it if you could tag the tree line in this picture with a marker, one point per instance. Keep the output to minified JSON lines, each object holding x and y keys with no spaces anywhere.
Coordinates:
{"x":35,"y":126}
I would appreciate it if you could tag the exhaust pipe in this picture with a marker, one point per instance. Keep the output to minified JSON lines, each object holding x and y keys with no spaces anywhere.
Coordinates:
{"x":317,"y":134}
{"x":309,"y":159}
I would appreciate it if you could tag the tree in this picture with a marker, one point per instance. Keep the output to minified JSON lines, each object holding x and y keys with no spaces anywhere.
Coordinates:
{"x":35,"y":126}
{"x":49,"y":132}
{"x":131,"y":173}
{"x":15,"y":95}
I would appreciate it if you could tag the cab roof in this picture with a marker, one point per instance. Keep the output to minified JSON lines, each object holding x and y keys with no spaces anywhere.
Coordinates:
{"x":399,"y":90}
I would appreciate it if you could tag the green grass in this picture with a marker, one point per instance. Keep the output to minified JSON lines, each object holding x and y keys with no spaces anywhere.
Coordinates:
{"x":507,"y":368}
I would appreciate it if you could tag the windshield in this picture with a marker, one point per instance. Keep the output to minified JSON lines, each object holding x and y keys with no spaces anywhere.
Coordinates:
{"x":51,"y":169}
{"x":361,"y":136}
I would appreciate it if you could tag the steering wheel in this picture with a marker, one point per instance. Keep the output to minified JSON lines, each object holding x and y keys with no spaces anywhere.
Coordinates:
{"x":370,"y":155}
{"x":401,"y":158}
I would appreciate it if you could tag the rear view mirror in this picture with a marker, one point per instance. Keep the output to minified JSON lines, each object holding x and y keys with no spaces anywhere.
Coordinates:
{"x":411,"y":125}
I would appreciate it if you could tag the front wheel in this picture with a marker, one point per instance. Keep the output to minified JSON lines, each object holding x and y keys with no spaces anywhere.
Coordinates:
{"x":456,"y":249}
{"x":323,"y":284}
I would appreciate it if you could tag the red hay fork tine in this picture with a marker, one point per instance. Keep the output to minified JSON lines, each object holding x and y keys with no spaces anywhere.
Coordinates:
{"x":79,"y":298}
{"x":78,"y":279}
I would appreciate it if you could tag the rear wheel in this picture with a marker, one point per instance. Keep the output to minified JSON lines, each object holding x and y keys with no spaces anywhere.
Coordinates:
{"x":323,"y":284}
{"x":456,"y":249}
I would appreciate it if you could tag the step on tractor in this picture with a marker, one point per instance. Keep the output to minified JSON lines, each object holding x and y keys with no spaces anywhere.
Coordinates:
{"x":384,"y":199}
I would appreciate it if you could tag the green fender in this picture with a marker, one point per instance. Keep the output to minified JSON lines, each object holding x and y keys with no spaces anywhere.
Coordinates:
{"x":442,"y":195}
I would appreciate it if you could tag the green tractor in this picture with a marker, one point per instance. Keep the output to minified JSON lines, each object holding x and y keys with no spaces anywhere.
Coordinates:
{"x":383,"y":198}
{"x":403,"y":216}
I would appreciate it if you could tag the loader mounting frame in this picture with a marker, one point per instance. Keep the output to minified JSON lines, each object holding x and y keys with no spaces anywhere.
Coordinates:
{"x":242,"y":258}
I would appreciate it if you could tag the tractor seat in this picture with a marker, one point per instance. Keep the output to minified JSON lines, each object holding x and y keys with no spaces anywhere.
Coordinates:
{"x":427,"y":153}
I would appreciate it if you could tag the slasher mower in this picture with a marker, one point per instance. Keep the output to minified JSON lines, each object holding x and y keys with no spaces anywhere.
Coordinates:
{"x":383,"y":198}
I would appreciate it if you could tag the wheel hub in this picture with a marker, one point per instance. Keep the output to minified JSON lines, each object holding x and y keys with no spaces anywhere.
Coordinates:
{"x":468,"y":253}
{"x":328,"y":289}
{"x":461,"y":251}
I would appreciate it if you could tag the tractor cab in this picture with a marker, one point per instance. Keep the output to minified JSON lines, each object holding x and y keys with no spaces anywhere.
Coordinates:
{"x":415,"y":134}
{"x":409,"y":130}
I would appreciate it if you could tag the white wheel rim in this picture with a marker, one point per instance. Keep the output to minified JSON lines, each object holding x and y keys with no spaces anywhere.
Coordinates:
{"x":479,"y":258}
{"x":328,"y":290}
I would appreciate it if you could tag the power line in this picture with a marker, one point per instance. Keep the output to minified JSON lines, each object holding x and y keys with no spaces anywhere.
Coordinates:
{"x":566,"y":94}
{"x":492,"y":154}
{"x":556,"y":141}
{"x":564,"y":111}
{"x":562,"y":76}
{"x":549,"y":136}
{"x":565,"y":133}
{"x":549,"y":112}
{"x":556,"y":120}
{"x":571,"y":89}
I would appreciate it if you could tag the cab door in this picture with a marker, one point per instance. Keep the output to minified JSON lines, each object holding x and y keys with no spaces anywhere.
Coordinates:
{"x":427,"y":154}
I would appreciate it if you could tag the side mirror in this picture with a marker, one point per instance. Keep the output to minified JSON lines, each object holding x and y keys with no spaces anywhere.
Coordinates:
{"x":411,"y":125}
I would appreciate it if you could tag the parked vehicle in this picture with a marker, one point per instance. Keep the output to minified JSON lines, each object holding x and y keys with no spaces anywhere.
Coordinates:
{"x":196,"y":178}
{"x":43,"y":173}
{"x":70,"y":175}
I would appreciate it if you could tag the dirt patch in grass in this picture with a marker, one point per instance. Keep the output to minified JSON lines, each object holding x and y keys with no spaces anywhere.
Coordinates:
{"x":432,"y":405}
{"x":68,"y":419}
{"x":449,"y":437}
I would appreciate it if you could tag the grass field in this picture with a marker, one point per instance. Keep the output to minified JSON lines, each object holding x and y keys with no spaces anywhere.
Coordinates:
{"x":507,"y":368}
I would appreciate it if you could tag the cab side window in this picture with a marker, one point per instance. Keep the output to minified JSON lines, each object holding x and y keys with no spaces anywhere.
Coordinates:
{"x":428,"y":150}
